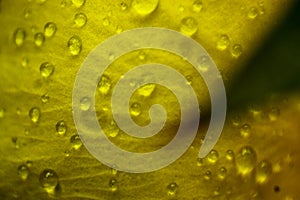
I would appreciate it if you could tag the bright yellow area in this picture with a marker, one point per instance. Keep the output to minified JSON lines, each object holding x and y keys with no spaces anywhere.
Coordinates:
{"x":63,"y":32}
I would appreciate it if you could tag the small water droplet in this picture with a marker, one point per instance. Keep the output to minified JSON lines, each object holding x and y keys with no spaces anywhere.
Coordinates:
{"x":252,"y":13}
{"x":61,"y":127}
{"x":29,"y":163}
{"x":222,"y":173}
{"x":75,"y":45}
{"x":274,"y":114}
{"x":50,"y":29}
{"x":213,"y":156}
{"x":67,"y":153}
{"x":75,"y":142}
{"x":189,"y":26}
{"x":80,"y":19}
{"x":27,"y":13}
{"x":230,"y":155}
{"x":24,"y":62}
{"x":223,"y":42}
{"x":200,"y":161}
{"x":146,"y":90}
{"x":246,"y":160}
{"x":236,"y":120}
{"x":124,"y":6}
{"x":113,"y":184}
{"x":34,"y":114}
{"x":23,"y":172}
{"x":113,"y":129}
{"x":236,"y":50}
{"x":207,"y":175}
{"x":144,"y":7}
{"x":45,"y":98}
{"x":2,"y":112}
{"x":39,"y":39}
{"x":48,"y":180}
{"x":85,"y":103}
{"x":16,"y":142}
{"x":19,"y":36}
{"x":263,"y":171}
{"x":142,"y":55}
{"x":135,"y":109}
{"x":104,"y":84}
{"x":26,"y":131}
{"x":203,"y":63}
{"x":172,"y":188}
{"x":106,"y":21}
{"x":78,"y":3}
{"x":245,"y":130}
{"x":114,"y":171}
{"x":197,"y":6}
{"x":46,"y":69}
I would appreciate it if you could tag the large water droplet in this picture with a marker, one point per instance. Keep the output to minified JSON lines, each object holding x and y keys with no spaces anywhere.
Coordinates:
{"x":75,"y":142}
{"x":135,"y":109}
{"x":74,"y":45}
{"x":46,"y":69}
{"x":34,"y":114}
{"x":144,"y":7}
{"x":80,"y":19}
{"x":223,"y":42}
{"x":246,"y":160}
{"x":50,"y":29}
{"x":48,"y":180}
{"x":189,"y":26}
{"x":172,"y":188}
{"x":23,"y":172}
{"x":19,"y":36}
{"x":213,"y":156}
{"x":263,"y":171}
{"x":104,"y":84}
{"x":61,"y":127}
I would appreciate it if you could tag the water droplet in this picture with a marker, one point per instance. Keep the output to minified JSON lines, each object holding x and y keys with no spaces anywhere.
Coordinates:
{"x":142,"y":55}
{"x":236,"y":50}
{"x":23,"y":172}
{"x":24,"y":62}
{"x":146,"y":90}
{"x":245,"y":130}
{"x":236,"y":120}
{"x":61,"y":127}
{"x":197,"y":5}
{"x":39,"y":39}
{"x":2,"y":112}
{"x":46,"y":69}
{"x":230,"y":155}
{"x":274,"y":114}
{"x":207,"y":175}
{"x":85,"y":103}
{"x":34,"y":114}
{"x":223,"y":42}
{"x":135,"y":109}
{"x":16,"y":142}
{"x":106,"y":22}
{"x":67,"y":153}
{"x":74,"y":45}
{"x":45,"y":98}
{"x":80,"y":19}
{"x":253,"y":12}
{"x":263,"y":171}
{"x":213,"y":156}
{"x":114,"y":171}
{"x":200,"y":161}
{"x":222,"y":173}
{"x":113,"y":129}
{"x":113,"y":184}
{"x":172,"y":188}
{"x":26,"y":131}
{"x":124,"y":6}
{"x":48,"y":180}
{"x":189,"y":26}
{"x":144,"y":7}
{"x":19,"y":36}
{"x":29,"y":163}
{"x":78,"y":3}
{"x":50,"y":29}
{"x":246,"y":160}
{"x":104,"y":84}
{"x":27,"y":13}
{"x":76,"y":142}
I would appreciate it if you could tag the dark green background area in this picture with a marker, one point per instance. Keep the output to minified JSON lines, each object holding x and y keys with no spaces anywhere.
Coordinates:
{"x":275,"y":68}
